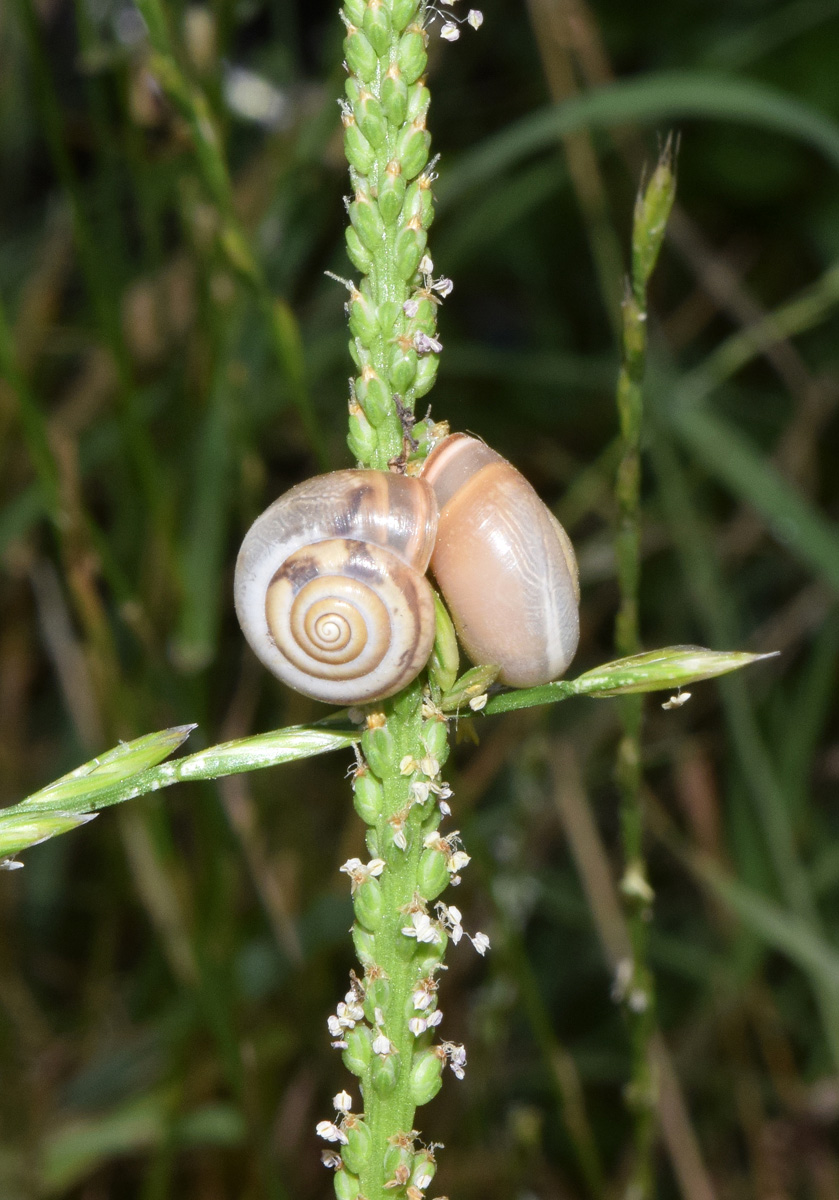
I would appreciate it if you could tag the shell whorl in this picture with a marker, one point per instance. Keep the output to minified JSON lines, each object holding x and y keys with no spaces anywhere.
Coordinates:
{"x":504,"y":564}
{"x":330,"y":589}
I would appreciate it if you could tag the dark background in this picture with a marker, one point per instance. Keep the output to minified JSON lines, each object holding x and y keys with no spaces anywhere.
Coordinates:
{"x":166,"y":973}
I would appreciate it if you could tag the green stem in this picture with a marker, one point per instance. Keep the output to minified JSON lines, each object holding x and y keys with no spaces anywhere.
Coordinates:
{"x":400,"y":934}
{"x":637,"y":985}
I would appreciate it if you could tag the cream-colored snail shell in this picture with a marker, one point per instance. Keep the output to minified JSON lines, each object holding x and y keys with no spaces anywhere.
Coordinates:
{"x":330,"y":589}
{"x":504,"y":564}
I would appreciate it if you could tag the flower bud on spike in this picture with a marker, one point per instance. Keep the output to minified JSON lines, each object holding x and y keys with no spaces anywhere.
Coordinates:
{"x":435,"y":738}
{"x":426,"y":1069}
{"x":365,"y":945}
{"x":360,"y":154}
{"x":361,"y":58}
{"x":361,"y":439}
{"x":402,"y":11}
{"x":419,"y":98}
{"x":358,"y":1052}
{"x":365,"y":216}
{"x":347,"y":1186}
{"x":425,"y":1168}
{"x":427,"y":368}
{"x":371,"y":840}
{"x":424,"y":317}
{"x":398,"y":1160}
{"x":379,"y":749}
{"x":433,"y":874}
{"x":376,"y":995}
{"x":368,"y":903}
{"x":356,"y":1153}
{"x":419,"y":203}
{"x":394,"y":96}
{"x":410,"y":55}
{"x":402,"y":366}
{"x":384,"y":1075}
{"x":412,"y":148}
{"x":368,"y":796}
{"x":354,"y":11}
{"x":359,"y":255}
{"x":377,"y":26}
{"x":445,"y":657}
{"x":409,"y":249}
{"x":363,"y":323}
{"x":391,"y":193}
{"x":371,"y":119}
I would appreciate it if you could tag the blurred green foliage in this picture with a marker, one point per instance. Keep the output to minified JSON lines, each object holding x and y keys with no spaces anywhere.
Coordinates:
{"x":172,"y":357}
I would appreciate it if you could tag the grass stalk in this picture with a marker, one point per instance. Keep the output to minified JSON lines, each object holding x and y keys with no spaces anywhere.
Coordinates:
{"x":636,"y":983}
{"x":399,"y":938}
{"x":193,"y":104}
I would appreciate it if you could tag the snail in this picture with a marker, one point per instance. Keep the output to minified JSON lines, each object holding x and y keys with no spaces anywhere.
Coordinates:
{"x":504,"y":564}
{"x":330,"y":586}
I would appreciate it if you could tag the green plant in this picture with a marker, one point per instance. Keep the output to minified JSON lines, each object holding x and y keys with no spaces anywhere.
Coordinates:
{"x":401,"y":930}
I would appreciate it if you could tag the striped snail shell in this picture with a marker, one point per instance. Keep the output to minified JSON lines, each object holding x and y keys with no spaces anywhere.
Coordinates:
{"x":504,"y":563}
{"x":330,"y":589}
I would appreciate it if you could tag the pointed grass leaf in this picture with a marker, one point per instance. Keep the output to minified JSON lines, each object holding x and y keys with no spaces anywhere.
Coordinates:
{"x":653,"y":671}
{"x":660,"y":670}
{"x":117,"y":765}
{"x":19,"y":830}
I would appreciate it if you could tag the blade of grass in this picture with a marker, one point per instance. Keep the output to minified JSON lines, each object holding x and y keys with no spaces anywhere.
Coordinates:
{"x":654,"y":98}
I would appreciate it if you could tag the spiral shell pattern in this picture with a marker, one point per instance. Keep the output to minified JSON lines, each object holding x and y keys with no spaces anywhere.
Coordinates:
{"x":330,"y":589}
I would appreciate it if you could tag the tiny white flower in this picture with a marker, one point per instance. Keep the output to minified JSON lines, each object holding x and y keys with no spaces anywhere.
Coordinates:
{"x":422,"y":1181}
{"x":330,"y":1159}
{"x":421,"y":998}
{"x":339,"y":1044}
{"x":421,"y":928}
{"x":334,"y":1026}
{"x":434,"y":1018}
{"x":376,"y":866}
{"x":351,"y":866}
{"x":478,"y":702}
{"x":426,"y":266}
{"x":450,"y":32}
{"x":400,"y":839}
{"x":382,"y":1046}
{"x":342,"y":1102}
{"x":408,"y":765}
{"x":423,"y":344}
{"x":475,"y":18}
{"x":330,"y":1132}
{"x":429,"y":764}
{"x":417,"y":1025}
{"x":444,"y":287}
{"x":378,"y":1016}
{"x":481,"y":943}
{"x":458,"y":861}
{"x":445,"y":809}
{"x":420,"y":792}
{"x":457,"y":1058}
{"x":410,"y":308}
